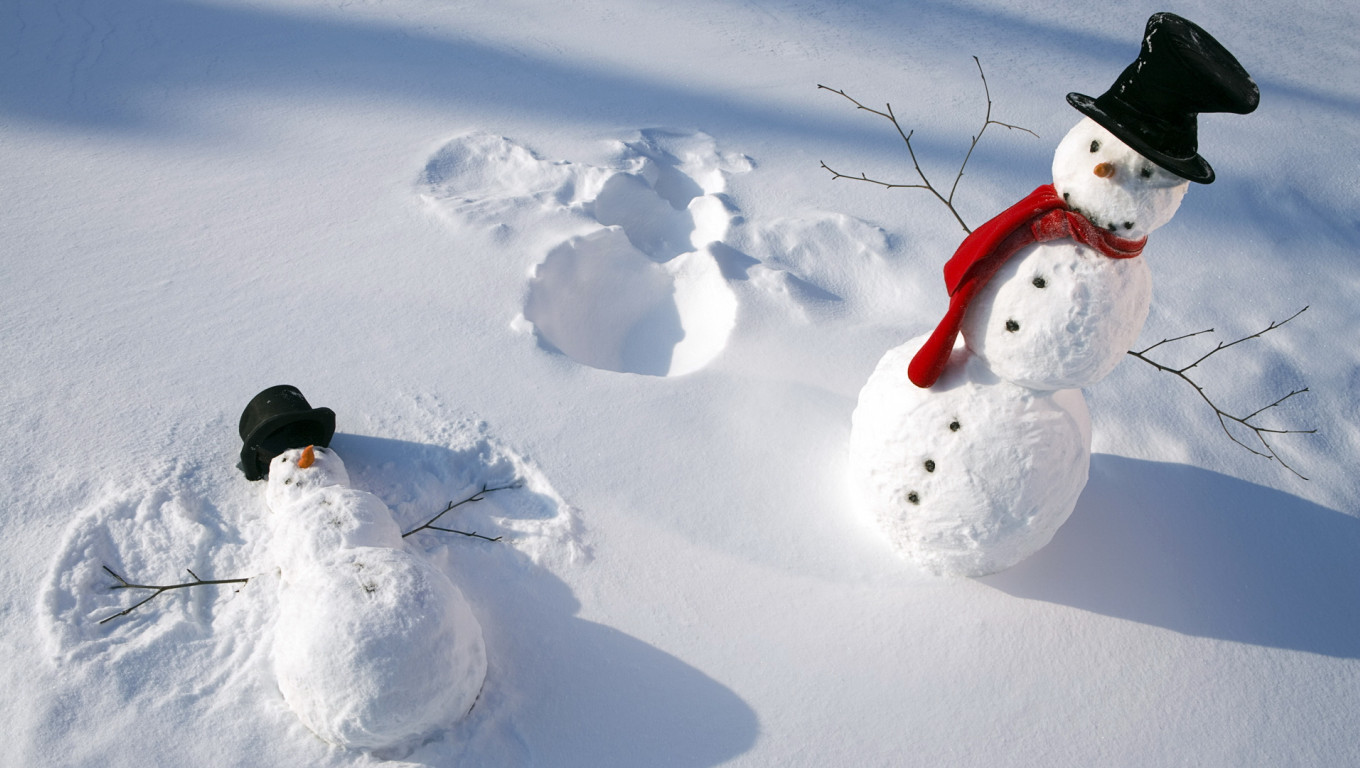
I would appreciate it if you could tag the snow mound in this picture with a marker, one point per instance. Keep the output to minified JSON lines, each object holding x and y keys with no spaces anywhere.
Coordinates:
{"x":825,"y":264}
{"x":605,"y":304}
{"x":640,"y":291}
{"x":483,"y":177}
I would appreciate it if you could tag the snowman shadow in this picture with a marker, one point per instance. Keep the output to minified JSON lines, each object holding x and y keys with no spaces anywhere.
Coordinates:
{"x":559,"y":688}
{"x":1202,"y":554}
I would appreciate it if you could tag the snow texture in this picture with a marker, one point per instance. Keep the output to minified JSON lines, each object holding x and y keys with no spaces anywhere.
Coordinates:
{"x":453,"y":223}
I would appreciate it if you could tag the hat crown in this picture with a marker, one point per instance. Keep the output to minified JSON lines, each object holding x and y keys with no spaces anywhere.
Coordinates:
{"x":1181,"y":71}
{"x":277,"y":419}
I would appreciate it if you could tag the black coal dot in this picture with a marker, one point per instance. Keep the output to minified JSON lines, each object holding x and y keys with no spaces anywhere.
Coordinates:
{"x":1012,"y":326}
{"x":1067,"y":196}
{"x":953,"y":426}
{"x":930,"y":465}
{"x":1039,"y":282}
{"x":1095,"y":145}
{"x":1128,"y":225}
{"x":1113,"y":227}
{"x":914,"y":497}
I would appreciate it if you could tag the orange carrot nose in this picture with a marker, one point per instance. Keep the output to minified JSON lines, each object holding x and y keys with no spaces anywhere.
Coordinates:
{"x":308,"y":456}
{"x":1105,"y":170}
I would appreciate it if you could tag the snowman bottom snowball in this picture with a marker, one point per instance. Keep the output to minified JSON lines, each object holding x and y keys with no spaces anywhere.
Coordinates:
{"x":970,"y":476}
{"x":376,"y":648}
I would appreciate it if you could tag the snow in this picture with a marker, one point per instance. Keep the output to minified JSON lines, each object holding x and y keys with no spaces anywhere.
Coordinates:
{"x":404,"y":209}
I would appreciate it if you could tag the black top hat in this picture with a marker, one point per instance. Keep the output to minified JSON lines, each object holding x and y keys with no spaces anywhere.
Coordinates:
{"x":1180,"y":72}
{"x":277,"y":419}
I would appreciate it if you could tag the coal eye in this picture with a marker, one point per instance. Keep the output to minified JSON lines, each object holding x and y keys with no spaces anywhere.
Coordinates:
{"x":1095,"y":145}
{"x":1146,"y":172}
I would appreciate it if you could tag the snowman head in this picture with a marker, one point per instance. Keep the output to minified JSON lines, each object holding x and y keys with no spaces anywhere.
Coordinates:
{"x":297,"y":472}
{"x":1109,"y":183}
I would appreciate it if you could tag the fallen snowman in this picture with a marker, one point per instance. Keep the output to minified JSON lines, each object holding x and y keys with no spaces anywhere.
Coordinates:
{"x":374,"y":647}
{"x":970,"y":452}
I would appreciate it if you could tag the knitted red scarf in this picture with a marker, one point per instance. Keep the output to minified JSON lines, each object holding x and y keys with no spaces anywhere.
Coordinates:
{"x":984,"y":251}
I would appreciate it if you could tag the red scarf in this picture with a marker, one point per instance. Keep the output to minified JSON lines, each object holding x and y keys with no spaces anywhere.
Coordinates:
{"x":984,"y":251}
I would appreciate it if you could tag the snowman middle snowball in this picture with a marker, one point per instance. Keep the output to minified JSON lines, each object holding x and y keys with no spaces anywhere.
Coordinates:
{"x":1058,"y":314}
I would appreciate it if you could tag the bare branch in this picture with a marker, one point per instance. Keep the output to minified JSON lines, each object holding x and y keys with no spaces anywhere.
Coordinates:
{"x":926,"y":184}
{"x":158,"y":590}
{"x":835,"y":174}
{"x":987,"y":120}
{"x":478,"y":496}
{"x":1175,"y":338}
{"x":1265,"y":449}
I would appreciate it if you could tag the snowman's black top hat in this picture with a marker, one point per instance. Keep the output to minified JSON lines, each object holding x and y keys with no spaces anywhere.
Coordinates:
{"x":1180,"y":72}
{"x":277,"y":419}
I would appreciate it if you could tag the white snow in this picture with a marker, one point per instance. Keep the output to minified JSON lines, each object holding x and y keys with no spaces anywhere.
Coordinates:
{"x":405,"y":209}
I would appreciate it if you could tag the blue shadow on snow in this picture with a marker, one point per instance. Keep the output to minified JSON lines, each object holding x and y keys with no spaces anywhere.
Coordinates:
{"x":560,"y":690}
{"x":1203,"y":554}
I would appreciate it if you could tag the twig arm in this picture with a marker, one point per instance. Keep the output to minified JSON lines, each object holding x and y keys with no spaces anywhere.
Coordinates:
{"x":478,"y":496}
{"x":158,"y":589}
{"x":888,"y":114}
{"x":1265,"y":450}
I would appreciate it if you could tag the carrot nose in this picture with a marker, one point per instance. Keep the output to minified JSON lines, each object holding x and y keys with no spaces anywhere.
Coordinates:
{"x":308,"y":456}
{"x":1105,"y":170}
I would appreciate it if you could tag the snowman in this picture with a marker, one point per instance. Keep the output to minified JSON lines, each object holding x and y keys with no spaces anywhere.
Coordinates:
{"x":374,"y":647}
{"x":970,"y":446}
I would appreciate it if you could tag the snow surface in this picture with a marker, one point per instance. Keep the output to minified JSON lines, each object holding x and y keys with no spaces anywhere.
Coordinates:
{"x":589,"y":247}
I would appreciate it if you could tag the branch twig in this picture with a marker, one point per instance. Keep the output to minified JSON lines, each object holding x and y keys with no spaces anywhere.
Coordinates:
{"x":158,"y":590}
{"x":1266,"y":450}
{"x":478,"y":496}
{"x":906,"y":137}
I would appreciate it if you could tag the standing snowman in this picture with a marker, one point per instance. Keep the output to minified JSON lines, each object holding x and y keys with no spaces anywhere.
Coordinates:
{"x":374,"y":647}
{"x":970,"y":454}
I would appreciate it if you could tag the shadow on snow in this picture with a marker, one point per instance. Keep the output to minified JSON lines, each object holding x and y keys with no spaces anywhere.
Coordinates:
{"x":1203,"y":554}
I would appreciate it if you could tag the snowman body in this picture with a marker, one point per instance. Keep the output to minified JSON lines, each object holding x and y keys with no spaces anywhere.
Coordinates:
{"x":977,"y":472}
{"x":1058,"y":315}
{"x":374,"y":647}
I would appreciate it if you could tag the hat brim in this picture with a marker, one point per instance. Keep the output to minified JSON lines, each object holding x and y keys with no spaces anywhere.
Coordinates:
{"x":1194,"y":168}
{"x":314,"y":427}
